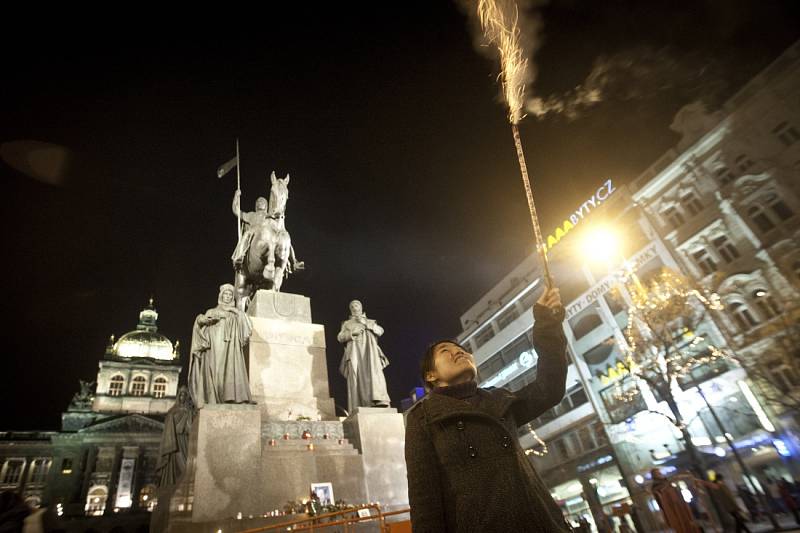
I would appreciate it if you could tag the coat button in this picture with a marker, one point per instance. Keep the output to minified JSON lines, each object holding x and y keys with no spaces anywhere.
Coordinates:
{"x":506,"y":441}
{"x":502,"y":419}
{"x":472,"y":452}
{"x":459,"y":425}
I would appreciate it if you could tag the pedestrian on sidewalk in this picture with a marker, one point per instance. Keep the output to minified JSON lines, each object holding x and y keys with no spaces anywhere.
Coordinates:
{"x":723,"y":496}
{"x":789,"y":501}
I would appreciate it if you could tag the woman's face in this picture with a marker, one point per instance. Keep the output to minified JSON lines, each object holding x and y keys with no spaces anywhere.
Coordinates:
{"x":452,"y":364}
{"x":227,"y":296}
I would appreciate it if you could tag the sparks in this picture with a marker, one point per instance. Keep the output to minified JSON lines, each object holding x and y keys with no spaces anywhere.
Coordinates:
{"x":500,"y":23}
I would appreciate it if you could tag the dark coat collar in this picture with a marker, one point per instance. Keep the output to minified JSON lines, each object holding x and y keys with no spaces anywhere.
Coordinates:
{"x":493,"y":403}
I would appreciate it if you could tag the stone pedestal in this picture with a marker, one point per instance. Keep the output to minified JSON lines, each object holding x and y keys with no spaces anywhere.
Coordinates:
{"x":226,"y":449}
{"x":379,"y":434}
{"x":288,"y":370}
{"x":253,"y":459}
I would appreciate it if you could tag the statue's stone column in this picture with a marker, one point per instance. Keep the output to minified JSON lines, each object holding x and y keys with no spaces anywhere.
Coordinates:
{"x":288,"y":370}
{"x":379,"y":434}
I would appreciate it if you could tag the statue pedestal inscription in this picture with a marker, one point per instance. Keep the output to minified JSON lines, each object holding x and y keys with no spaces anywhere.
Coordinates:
{"x":288,"y":369}
{"x":379,"y":434}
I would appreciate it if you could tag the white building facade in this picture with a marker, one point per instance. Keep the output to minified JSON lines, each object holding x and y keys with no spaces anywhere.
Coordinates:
{"x":723,"y":207}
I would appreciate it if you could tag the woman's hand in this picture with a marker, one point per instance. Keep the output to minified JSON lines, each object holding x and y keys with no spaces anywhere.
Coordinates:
{"x":550,"y":298}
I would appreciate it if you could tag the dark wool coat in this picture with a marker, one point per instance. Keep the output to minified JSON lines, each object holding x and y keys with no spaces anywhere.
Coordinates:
{"x":466,"y":469}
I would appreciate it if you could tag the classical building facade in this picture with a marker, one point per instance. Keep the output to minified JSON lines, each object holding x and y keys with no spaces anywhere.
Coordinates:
{"x":102,"y":461}
{"x":722,"y":207}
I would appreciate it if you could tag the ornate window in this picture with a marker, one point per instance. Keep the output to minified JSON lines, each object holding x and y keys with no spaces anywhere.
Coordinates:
{"x":743,"y":316}
{"x":38,"y":471}
{"x":743,"y":163}
{"x":760,"y":219}
{"x":116,"y":385}
{"x":11,"y":472}
{"x":766,"y":304}
{"x":725,"y":248}
{"x":778,"y":207}
{"x":786,"y":133}
{"x":160,"y":387}
{"x":147,"y":498}
{"x":704,"y":261}
{"x":725,"y":176}
{"x":96,"y":501}
{"x":673,"y":216}
{"x":691,"y":203}
{"x":783,"y":376}
{"x":138,"y":386}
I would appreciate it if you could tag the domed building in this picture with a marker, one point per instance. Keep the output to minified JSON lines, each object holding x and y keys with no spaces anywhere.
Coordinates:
{"x":139,"y":373}
{"x":98,"y":471}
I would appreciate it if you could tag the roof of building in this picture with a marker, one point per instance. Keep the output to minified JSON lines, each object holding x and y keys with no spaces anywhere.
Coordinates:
{"x":144,"y":342}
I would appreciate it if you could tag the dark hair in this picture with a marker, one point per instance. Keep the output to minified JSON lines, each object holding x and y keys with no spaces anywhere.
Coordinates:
{"x":428,"y":363}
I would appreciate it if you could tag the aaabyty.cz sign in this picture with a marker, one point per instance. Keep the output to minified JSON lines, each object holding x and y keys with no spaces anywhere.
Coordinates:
{"x":602,"y":193}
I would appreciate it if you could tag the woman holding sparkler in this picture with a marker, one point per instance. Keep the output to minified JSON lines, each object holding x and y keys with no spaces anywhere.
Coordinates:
{"x":466,"y":469}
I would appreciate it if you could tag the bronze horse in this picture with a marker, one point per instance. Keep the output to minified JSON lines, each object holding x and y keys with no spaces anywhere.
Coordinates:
{"x":269,"y":256}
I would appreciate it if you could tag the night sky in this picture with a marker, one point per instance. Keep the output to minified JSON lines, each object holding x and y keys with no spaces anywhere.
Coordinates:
{"x":404,"y":193}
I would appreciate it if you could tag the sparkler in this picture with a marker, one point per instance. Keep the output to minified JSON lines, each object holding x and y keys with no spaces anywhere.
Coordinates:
{"x":500,"y":23}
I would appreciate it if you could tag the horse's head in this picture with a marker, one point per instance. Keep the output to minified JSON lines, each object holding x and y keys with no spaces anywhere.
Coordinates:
{"x":278,"y":195}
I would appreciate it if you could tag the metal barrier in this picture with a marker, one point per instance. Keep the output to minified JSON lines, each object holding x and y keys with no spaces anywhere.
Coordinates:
{"x":314,"y":523}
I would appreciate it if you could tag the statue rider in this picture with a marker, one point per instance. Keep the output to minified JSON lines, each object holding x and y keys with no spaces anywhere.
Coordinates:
{"x":251,"y":219}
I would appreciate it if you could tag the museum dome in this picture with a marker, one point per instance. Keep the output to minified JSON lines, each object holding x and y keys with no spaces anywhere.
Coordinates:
{"x":144,"y":342}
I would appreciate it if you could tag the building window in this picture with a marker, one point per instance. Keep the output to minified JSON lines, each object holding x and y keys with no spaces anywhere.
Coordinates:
{"x":766,"y":304}
{"x":507,"y":318}
{"x":743,"y":317}
{"x":600,"y":434}
{"x":39,"y":470}
{"x":585,"y":324}
{"x":138,"y":386}
{"x":725,"y":176}
{"x":66,"y":465}
{"x":484,"y":336}
{"x":116,"y":386}
{"x":160,"y":387}
{"x":96,"y":501}
{"x":778,"y":207}
{"x":147,"y":498}
{"x":704,"y":261}
{"x":491,"y":366}
{"x":691,"y":203}
{"x":725,"y":248}
{"x":760,"y":219}
{"x":673,"y":216}
{"x":743,"y":163}
{"x":786,"y":133}
{"x":783,"y":377}
{"x":578,"y":398}
{"x":12,"y":471}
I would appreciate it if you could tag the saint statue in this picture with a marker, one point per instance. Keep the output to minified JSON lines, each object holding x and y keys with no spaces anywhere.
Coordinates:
{"x":251,"y":220}
{"x":174,"y":446}
{"x":363,"y":361}
{"x":217,"y":371}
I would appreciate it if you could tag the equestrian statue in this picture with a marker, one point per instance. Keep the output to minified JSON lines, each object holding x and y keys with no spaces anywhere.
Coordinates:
{"x":264,"y":255}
